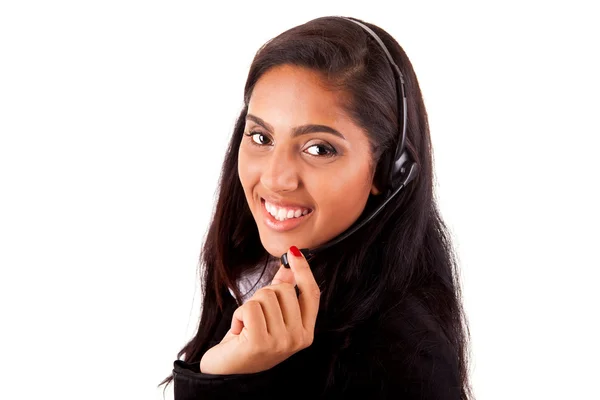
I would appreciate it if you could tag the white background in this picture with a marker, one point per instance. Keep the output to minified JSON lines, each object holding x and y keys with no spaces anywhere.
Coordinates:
{"x":114,"y":117}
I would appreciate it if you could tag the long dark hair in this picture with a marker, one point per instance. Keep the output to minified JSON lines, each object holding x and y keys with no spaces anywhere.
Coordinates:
{"x":403,"y":258}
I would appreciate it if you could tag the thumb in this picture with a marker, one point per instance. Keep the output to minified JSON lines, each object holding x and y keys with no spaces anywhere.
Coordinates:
{"x":284,"y":275}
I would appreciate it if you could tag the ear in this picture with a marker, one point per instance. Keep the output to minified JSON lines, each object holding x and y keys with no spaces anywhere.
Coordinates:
{"x":374,"y":190}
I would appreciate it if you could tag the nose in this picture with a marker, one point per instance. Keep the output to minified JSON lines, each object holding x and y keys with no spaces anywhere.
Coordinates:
{"x":280,"y":174}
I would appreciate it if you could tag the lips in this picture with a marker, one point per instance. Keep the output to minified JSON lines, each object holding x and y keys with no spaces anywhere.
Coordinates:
{"x":281,"y":213}
{"x":276,"y":223}
{"x":284,"y":203}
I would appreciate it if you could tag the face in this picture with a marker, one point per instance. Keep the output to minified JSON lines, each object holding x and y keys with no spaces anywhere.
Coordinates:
{"x":305,"y":167}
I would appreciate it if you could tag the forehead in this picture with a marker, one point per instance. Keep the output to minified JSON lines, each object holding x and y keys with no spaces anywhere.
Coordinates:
{"x":290,"y":95}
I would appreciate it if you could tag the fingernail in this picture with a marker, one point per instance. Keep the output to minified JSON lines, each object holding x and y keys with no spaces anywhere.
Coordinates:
{"x":295,"y":251}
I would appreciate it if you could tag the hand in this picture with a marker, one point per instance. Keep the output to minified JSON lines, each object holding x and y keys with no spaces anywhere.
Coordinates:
{"x":271,"y":326}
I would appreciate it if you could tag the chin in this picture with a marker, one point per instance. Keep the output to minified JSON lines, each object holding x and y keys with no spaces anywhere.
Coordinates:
{"x":276,"y":246}
{"x":276,"y":250}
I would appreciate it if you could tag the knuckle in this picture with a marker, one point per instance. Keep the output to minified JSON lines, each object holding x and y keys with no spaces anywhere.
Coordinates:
{"x":286,"y":286}
{"x":315,"y":292}
{"x":308,"y":338}
{"x":283,"y":345}
{"x":297,"y":342}
{"x":265,"y":291}
{"x":253,"y":305}
{"x":268,"y":294}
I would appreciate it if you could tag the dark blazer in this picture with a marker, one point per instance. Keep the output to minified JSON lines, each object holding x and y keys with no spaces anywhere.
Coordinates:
{"x":378,"y":362}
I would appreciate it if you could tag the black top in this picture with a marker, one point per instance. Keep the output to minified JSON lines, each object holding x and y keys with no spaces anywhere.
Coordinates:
{"x":378,"y":362}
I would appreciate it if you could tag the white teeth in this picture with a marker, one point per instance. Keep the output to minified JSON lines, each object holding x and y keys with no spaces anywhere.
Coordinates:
{"x":281,"y":214}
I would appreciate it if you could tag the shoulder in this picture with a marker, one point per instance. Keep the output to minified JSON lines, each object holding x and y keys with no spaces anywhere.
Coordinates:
{"x":399,"y":352}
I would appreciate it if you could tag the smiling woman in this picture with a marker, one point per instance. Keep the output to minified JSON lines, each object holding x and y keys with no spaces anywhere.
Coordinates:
{"x":376,"y":315}
{"x":300,"y":162}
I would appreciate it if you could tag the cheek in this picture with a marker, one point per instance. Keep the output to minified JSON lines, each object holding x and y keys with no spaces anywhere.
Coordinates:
{"x":341,"y":200}
{"x":249,"y":172}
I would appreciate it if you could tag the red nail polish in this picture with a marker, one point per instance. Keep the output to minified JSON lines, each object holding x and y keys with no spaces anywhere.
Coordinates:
{"x":295,"y":251}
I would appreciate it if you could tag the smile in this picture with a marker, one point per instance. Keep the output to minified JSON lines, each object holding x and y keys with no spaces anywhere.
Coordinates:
{"x":283,"y":219}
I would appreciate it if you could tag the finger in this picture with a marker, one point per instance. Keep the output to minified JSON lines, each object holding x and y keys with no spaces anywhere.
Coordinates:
{"x":310,"y":293}
{"x":284,"y":275}
{"x":288,"y":302}
{"x":250,"y":316}
{"x":267,"y":297}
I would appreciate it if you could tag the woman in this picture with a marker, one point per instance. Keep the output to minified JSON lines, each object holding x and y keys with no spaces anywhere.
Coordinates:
{"x":375,"y":315}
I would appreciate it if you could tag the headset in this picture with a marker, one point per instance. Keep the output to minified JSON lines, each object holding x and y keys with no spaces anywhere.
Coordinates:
{"x":402,"y":169}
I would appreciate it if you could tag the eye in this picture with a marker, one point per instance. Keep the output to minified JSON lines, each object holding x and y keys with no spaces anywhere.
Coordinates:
{"x":322,"y":150}
{"x":257,"y":138}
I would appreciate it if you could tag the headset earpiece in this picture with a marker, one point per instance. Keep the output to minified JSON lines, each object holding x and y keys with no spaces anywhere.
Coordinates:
{"x":399,"y":165}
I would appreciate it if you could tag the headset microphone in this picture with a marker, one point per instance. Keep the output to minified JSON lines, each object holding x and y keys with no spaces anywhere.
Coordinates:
{"x":402,"y":170}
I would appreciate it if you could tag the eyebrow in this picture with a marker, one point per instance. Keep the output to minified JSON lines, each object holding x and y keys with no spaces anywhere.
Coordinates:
{"x":299,"y":130}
